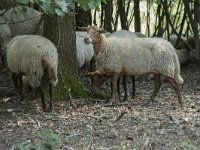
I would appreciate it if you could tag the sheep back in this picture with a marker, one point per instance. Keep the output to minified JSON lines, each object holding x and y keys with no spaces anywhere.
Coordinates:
{"x":137,"y":56}
{"x":127,"y":34}
{"x":5,"y":34}
{"x":123,"y":33}
{"x":29,"y":55}
{"x":20,"y":21}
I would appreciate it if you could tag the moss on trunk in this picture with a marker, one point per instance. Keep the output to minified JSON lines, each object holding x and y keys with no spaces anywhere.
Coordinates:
{"x":61,"y":31}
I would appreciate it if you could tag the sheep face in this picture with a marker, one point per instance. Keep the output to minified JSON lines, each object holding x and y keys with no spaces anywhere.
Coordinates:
{"x":93,"y":34}
{"x":98,"y":80}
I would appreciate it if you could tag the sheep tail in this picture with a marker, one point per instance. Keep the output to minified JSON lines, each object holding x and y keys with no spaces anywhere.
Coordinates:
{"x":52,"y":70}
{"x":177,"y":75}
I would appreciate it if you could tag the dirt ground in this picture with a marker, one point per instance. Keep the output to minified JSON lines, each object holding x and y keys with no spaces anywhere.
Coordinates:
{"x":86,"y":124}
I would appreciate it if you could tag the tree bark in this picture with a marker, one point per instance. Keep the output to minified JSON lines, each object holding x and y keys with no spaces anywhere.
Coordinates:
{"x":61,"y":31}
{"x":6,"y":4}
{"x":194,"y":23}
{"x":122,"y":14}
{"x":83,"y":18}
{"x":137,"y":15}
{"x":108,"y":11}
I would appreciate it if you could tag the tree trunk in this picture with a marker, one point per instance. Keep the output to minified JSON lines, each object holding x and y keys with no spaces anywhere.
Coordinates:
{"x":122,"y":14}
{"x":61,"y":31}
{"x":83,"y":18}
{"x":137,"y":15}
{"x":108,"y":11}
{"x":196,"y":28}
{"x":6,"y":4}
{"x":194,"y":23}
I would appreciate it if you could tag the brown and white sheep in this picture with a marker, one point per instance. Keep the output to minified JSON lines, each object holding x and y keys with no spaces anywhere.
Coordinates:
{"x":136,"y":56}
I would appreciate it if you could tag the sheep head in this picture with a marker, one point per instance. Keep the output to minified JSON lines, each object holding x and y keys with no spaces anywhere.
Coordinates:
{"x":189,"y":44}
{"x":94,"y":37}
{"x":93,"y":34}
{"x":98,"y":79}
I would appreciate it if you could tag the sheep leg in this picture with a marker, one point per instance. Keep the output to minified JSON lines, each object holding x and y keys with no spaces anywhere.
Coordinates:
{"x":125,"y":87}
{"x":133,"y":86}
{"x":16,"y":83}
{"x":114,"y":97}
{"x":3,"y":59}
{"x":118,"y":86}
{"x":157,"y":87}
{"x":176,"y":88}
{"x":14,"y":78}
{"x":20,"y":83}
{"x":42,"y":98}
{"x":50,"y":95}
{"x":92,"y":68}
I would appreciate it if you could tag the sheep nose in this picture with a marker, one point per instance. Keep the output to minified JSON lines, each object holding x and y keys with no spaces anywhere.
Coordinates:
{"x":86,"y":39}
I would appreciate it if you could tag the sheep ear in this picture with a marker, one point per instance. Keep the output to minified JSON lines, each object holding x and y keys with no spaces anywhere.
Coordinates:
{"x":102,"y":31}
{"x":83,"y":28}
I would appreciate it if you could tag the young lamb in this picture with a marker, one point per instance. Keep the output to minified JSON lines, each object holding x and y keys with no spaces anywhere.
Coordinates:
{"x":136,"y":56}
{"x":33,"y":56}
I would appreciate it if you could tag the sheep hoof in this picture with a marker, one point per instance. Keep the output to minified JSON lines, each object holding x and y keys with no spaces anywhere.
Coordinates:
{"x":181,"y":104}
{"x":149,"y":101}
{"x":114,"y":101}
{"x":49,"y":110}
{"x":133,"y":97}
{"x":125,"y":98}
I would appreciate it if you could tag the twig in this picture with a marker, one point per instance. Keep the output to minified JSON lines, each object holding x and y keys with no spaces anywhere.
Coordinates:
{"x":25,"y":122}
{"x":90,"y":116}
{"x":120,"y":116}
{"x":117,"y":104}
{"x":97,"y":100}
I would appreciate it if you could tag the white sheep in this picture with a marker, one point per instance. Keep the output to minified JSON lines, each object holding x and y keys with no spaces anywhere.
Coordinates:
{"x":32,"y":56}
{"x":21,"y":20}
{"x":181,"y":49}
{"x":84,"y":52}
{"x":136,"y":56}
{"x":99,"y":79}
{"x":5,"y":35}
{"x":16,"y":21}
{"x":127,"y":34}
{"x":184,"y":56}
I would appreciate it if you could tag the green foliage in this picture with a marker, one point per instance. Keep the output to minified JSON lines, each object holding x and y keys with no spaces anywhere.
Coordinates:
{"x":49,"y":141}
{"x":23,"y":1}
{"x":185,"y":145}
{"x":72,"y":88}
{"x":89,"y":4}
{"x":60,"y":7}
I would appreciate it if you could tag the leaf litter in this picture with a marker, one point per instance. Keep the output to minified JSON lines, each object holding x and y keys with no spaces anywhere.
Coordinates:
{"x":98,"y":126}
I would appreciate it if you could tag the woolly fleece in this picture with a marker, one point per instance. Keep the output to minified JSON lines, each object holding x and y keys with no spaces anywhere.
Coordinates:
{"x":21,"y":22}
{"x":127,"y":34}
{"x":84,"y":52}
{"x":137,"y":56}
{"x":29,"y":54}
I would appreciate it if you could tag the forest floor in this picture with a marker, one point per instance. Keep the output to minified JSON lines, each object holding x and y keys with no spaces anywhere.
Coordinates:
{"x":86,"y":124}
